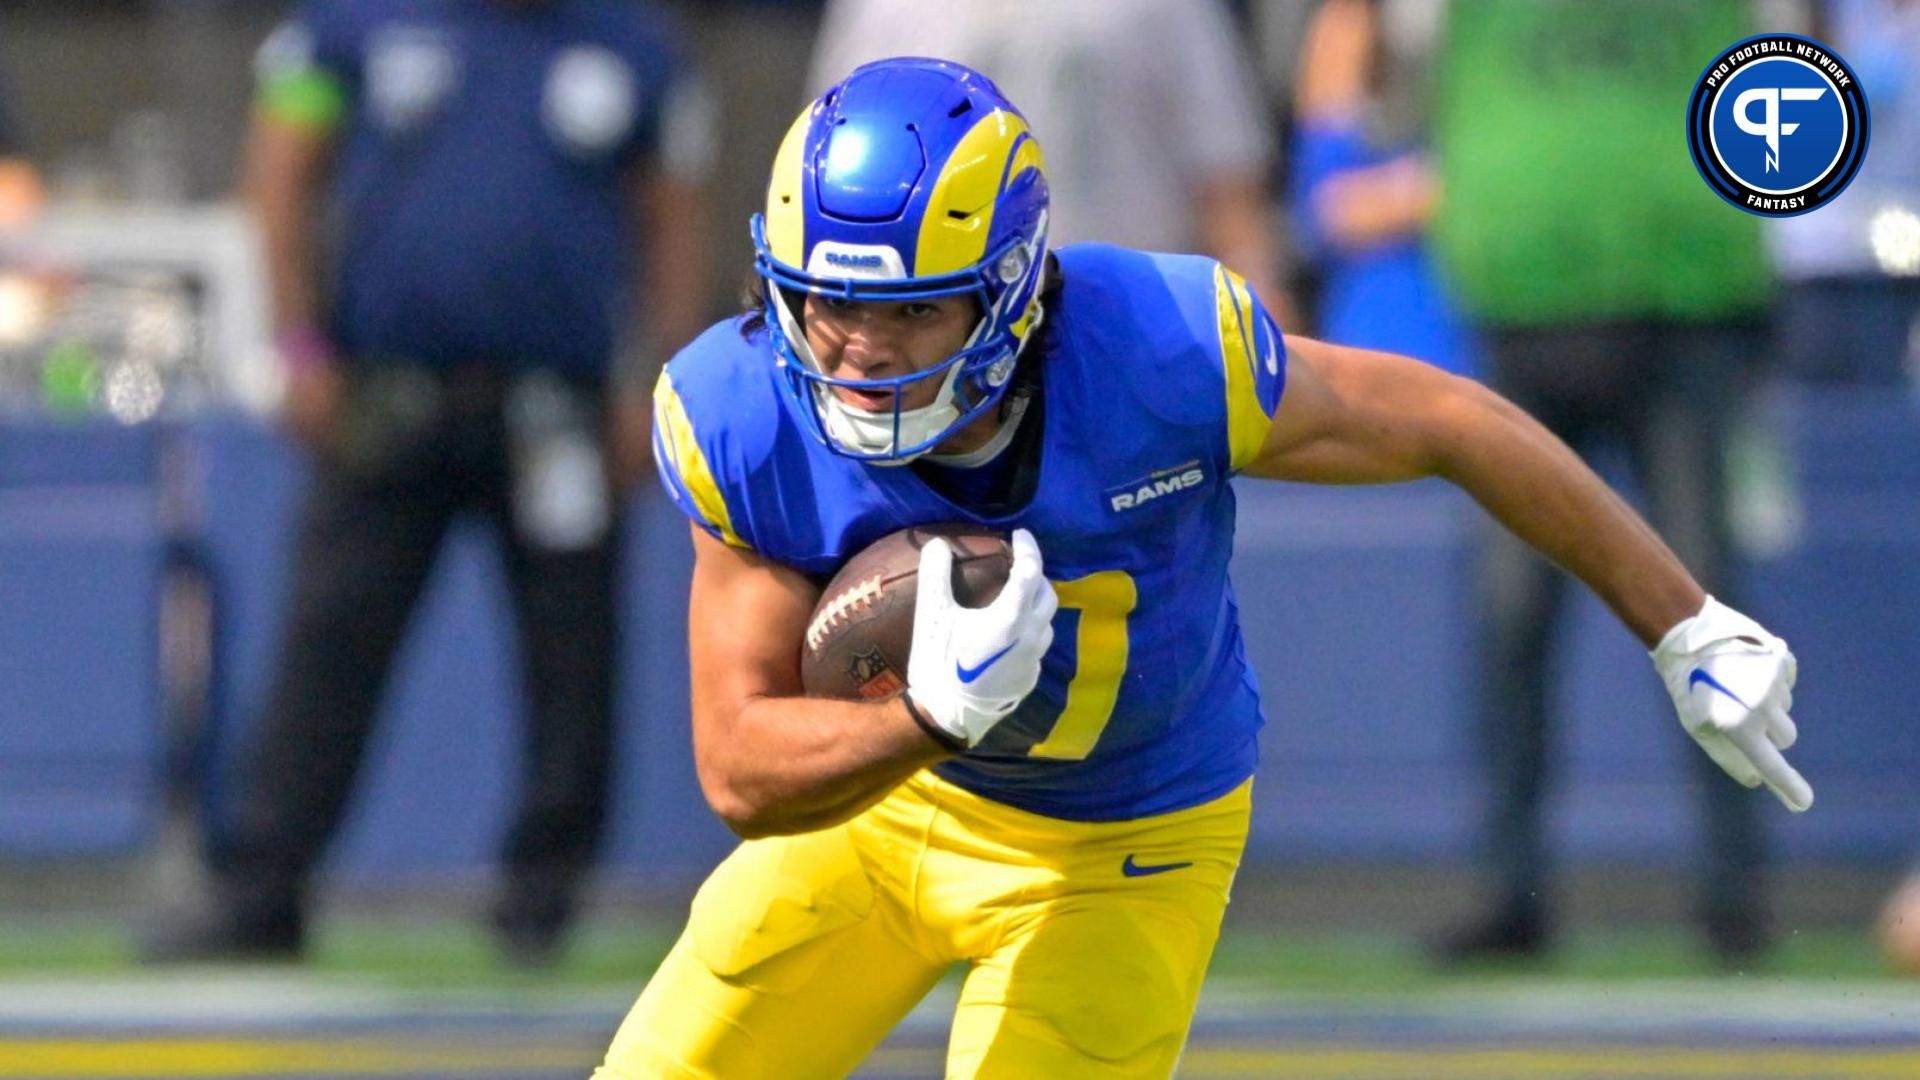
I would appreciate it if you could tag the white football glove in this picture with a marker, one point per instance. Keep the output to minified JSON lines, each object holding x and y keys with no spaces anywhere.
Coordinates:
{"x":1733,"y":684}
{"x":970,"y":667}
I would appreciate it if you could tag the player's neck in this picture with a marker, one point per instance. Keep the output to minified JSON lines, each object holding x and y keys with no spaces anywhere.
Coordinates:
{"x":984,"y":439}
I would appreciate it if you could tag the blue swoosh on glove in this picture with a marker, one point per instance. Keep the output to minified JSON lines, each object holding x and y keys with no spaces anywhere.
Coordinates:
{"x":1700,"y":676}
{"x":968,"y":674}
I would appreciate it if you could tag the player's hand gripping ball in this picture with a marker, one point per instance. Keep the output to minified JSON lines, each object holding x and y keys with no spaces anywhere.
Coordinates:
{"x":861,"y":632}
{"x":970,"y":646}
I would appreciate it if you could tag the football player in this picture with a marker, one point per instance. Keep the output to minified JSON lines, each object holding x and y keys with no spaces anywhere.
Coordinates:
{"x":1059,"y":798}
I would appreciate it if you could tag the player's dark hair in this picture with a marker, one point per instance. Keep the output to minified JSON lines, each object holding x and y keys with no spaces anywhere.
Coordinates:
{"x":753,"y":303}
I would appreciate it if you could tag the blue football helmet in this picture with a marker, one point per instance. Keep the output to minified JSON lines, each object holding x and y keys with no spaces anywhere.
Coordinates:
{"x":911,"y":179}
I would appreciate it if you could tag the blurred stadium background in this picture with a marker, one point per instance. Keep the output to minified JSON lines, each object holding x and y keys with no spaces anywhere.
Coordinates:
{"x":145,"y":501}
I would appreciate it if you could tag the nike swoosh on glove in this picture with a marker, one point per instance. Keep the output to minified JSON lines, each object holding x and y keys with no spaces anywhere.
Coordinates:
{"x":970,"y":667}
{"x":1732,"y":683}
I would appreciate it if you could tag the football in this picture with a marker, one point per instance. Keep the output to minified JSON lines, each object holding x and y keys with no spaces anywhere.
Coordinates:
{"x":861,"y":631}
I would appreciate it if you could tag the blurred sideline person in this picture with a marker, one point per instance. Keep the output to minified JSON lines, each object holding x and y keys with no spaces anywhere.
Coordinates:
{"x":1900,"y":925}
{"x":21,"y":193}
{"x":1364,"y":196}
{"x":496,"y":169}
{"x":1060,"y":808}
{"x":1157,"y":133}
{"x":1850,"y":305}
{"x":1615,"y":319}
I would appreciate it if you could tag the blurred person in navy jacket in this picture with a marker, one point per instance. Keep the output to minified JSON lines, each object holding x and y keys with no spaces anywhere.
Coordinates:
{"x":512,"y":183}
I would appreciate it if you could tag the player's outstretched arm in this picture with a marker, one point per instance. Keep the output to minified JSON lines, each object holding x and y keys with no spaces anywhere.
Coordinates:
{"x":770,"y":760}
{"x":1353,"y":416}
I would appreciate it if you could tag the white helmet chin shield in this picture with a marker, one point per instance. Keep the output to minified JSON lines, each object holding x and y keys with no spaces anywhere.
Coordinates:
{"x":911,"y":180}
{"x":886,"y":436}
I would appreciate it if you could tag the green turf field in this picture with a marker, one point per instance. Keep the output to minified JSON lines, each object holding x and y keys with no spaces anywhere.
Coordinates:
{"x":428,"y":953}
{"x":419,"y":998}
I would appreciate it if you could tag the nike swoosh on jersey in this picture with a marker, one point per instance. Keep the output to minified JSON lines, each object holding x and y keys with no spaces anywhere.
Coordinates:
{"x":1134,"y":869}
{"x":1700,"y":676}
{"x":968,"y":674}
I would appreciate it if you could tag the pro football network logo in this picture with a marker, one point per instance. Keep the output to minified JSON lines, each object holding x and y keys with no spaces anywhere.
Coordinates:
{"x":1778,"y":125}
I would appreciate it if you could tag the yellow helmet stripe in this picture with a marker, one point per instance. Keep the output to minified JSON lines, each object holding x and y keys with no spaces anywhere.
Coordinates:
{"x":786,"y":217}
{"x":959,"y":215}
{"x":1025,"y":322}
{"x":1247,"y":419}
{"x":686,"y":461}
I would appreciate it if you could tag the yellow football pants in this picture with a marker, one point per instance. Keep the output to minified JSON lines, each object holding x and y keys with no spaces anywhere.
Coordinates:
{"x":1085,"y":943}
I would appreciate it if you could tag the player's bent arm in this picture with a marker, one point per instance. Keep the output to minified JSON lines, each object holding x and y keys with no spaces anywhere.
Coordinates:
{"x":772,"y":761}
{"x":1354,"y":416}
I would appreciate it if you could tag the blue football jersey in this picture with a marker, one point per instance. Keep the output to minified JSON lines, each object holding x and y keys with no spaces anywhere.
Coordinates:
{"x":1159,"y":376}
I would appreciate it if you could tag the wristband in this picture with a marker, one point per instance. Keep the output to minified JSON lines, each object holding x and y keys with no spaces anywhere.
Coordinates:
{"x":947,"y":742}
{"x":302,"y":348}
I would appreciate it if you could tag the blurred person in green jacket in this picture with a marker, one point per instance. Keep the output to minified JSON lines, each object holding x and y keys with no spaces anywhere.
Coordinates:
{"x":1622,"y":303}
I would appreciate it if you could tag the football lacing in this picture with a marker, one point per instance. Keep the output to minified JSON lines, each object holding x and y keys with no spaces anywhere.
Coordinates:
{"x":841,"y":606}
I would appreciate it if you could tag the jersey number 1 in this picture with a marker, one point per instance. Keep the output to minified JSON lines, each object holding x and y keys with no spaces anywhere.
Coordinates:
{"x":1104,"y":601}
